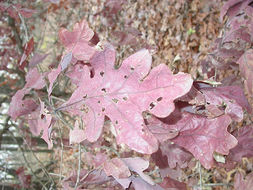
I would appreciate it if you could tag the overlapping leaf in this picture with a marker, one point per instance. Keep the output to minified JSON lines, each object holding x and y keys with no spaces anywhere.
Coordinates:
{"x":201,"y":136}
{"x":232,"y":97}
{"x":246,"y":68}
{"x":20,"y":106}
{"x":243,"y":182}
{"x":123,"y":94}
{"x":244,"y":136}
{"x":77,"y":41}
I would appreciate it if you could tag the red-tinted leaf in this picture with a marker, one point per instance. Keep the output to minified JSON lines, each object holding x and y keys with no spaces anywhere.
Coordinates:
{"x":77,"y":41}
{"x":202,"y":136}
{"x":34,"y":79}
{"x":231,"y":7}
{"x":161,"y":133}
{"x":27,"y":50}
{"x":122,"y":95}
{"x":246,"y":68}
{"x":76,"y":135}
{"x":171,"y":155}
{"x":19,"y":107}
{"x":241,"y":33}
{"x":36,"y":59}
{"x":116,"y":168}
{"x":243,"y":183}
{"x":232,"y":97}
{"x":244,"y":136}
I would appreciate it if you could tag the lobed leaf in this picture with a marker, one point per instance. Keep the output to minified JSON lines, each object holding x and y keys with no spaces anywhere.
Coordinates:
{"x":123,"y":94}
{"x":246,"y":68}
{"x":201,"y":136}
{"x":77,"y":41}
{"x":245,"y":143}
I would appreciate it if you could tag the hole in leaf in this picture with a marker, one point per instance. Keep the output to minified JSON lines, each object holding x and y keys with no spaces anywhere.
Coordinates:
{"x":102,"y":73}
{"x":132,"y":69}
{"x":42,"y":116}
{"x":103,"y":109}
{"x":99,"y":101}
{"x":92,"y":73}
{"x":125,"y":76}
{"x":116,"y":122}
{"x":103,"y":89}
{"x":125,"y":98}
{"x":159,"y":99}
{"x":85,"y":96}
{"x":152,"y":105}
{"x":115,"y":100}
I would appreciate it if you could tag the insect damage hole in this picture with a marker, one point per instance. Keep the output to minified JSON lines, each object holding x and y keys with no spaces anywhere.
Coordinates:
{"x":102,"y":73}
{"x":152,"y":105}
{"x":125,"y":98}
{"x":115,"y":100}
{"x":103,"y":89}
{"x":159,"y":99}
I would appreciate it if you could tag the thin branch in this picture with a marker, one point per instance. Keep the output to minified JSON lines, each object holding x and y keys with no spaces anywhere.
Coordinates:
{"x":79,"y":166}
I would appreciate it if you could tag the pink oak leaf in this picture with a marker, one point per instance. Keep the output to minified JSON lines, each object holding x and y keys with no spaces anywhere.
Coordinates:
{"x":138,"y":165}
{"x":245,"y":143}
{"x":77,"y":41}
{"x":34,"y":79}
{"x":243,"y":182}
{"x":202,"y":137}
{"x":170,"y":155}
{"x":36,"y":59}
{"x":246,"y":68}
{"x":232,"y":8}
{"x":75,"y":73}
{"x":123,"y":94}
{"x":116,"y":168}
{"x":19,"y":107}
